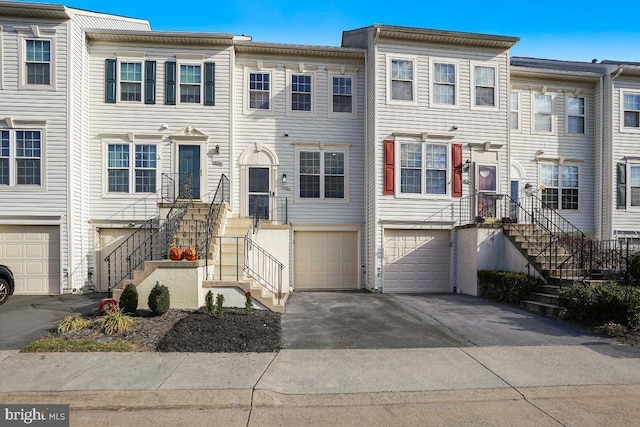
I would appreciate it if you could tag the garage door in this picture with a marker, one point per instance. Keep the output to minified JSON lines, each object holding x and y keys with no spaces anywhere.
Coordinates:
{"x":110,"y":239}
{"x":416,"y":261}
{"x":32,"y":252}
{"x":325,"y":260}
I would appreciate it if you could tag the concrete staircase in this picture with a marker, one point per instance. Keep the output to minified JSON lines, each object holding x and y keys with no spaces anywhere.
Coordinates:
{"x":544,"y":301}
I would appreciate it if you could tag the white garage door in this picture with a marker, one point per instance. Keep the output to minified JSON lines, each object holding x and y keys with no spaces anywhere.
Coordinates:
{"x":326,"y":260}
{"x":110,"y":239}
{"x":32,"y":252}
{"x":416,"y":261}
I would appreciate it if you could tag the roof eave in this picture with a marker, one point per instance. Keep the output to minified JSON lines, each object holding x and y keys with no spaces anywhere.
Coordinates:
{"x":163,"y":37}
{"x":541,"y":73}
{"x":446,"y":37}
{"x":298,"y":50}
{"x":34,"y":10}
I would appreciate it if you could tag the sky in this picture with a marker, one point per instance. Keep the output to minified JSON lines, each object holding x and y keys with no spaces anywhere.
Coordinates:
{"x":560,"y":29}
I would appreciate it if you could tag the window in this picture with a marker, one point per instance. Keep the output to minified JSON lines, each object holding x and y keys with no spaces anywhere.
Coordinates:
{"x":131,"y":81}
{"x":543,"y":113}
{"x":322,"y":174}
{"x":402,"y":80}
{"x":423,"y":168}
{"x":515,"y":110}
{"x":485,"y":86}
{"x":444,"y":84}
{"x":342,"y":94}
{"x":38,"y":62}
{"x":634,"y":185}
{"x":259,"y":91}
{"x":190,"y":83}
{"x":301,"y":91}
{"x":21,"y":157}
{"x":121,"y":171}
{"x":631,"y":110}
{"x":575,"y":115}
{"x":560,"y":186}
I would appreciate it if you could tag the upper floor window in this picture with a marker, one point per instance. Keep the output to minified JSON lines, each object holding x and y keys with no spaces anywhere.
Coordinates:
{"x":514,"y":107}
{"x":190,"y":83}
{"x":301,"y":92}
{"x":38,"y":62}
{"x":342,"y":94}
{"x":560,"y":186}
{"x":122,"y":170}
{"x":259,"y":91}
{"x":543,"y":113}
{"x":21,"y":157}
{"x":131,"y":81}
{"x":444,"y":84}
{"x":485,"y":86}
{"x":575,"y":115}
{"x":634,"y":185}
{"x":423,"y":168}
{"x":322,"y":174}
{"x":631,"y":110}
{"x":402,"y":84}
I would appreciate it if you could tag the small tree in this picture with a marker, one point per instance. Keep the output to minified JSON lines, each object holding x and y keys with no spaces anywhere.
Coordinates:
{"x":219,"y":302}
{"x":209,"y":306}
{"x":248,"y":304}
{"x":129,"y":299}
{"x":159,"y":299}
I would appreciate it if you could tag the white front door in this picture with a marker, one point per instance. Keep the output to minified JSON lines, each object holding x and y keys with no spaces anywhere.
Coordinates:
{"x":487,"y":187}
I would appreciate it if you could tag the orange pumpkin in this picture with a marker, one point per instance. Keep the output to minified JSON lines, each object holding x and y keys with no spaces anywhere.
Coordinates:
{"x":175,"y":254}
{"x":189,"y":254}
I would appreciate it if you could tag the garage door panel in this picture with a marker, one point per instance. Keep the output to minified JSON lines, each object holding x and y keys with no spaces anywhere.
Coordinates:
{"x":32,"y":252}
{"x":416,"y":261}
{"x":326,"y":260}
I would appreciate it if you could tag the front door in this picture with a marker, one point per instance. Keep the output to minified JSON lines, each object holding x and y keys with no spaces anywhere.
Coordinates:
{"x":189,"y":165}
{"x":515,"y":193}
{"x":486,"y":184}
{"x":259,"y":192}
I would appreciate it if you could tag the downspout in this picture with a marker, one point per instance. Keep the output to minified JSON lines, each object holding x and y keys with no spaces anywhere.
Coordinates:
{"x":601,"y":143}
{"x":378,"y":273}
{"x":365,"y":123}
{"x":610,"y":148}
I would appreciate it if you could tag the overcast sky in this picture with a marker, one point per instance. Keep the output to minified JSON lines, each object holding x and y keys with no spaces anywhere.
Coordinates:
{"x":571,"y":30}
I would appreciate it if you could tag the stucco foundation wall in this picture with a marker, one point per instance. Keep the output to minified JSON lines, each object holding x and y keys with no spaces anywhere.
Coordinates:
{"x":276,"y":241}
{"x":490,"y":249}
{"x":184,"y":280}
{"x":466,"y":261}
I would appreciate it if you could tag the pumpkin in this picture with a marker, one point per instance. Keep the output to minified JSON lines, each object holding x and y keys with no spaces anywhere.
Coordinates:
{"x":189,"y":254}
{"x":175,"y":254}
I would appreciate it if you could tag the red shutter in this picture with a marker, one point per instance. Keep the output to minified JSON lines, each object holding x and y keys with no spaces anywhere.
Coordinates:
{"x":389,"y":174}
{"x":456,"y":166}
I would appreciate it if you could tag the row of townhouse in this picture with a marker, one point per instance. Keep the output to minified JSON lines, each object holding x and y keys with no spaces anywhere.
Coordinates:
{"x":362,"y":157}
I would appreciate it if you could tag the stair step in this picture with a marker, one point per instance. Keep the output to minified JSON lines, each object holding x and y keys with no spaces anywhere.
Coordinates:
{"x":544,"y":298}
{"x":548,"y":289}
{"x":548,"y":310}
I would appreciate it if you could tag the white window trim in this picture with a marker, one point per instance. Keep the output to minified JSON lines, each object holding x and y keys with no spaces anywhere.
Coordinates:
{"x":354,"y":96}
{"x":533,"y":113}
{"x":414,"y":60}
{"x":566,"y":116}
{"x":496,"y":87}
{"x":1,"y":57}
{"x":35,"y":33}
{"x":322,"y":148}
{"x":628,"y":187}
{"x":130,"y":58}
{"x":246,"y":92}
{"x":519,"y":111}
{"x":179,"y":63}
{"x":13,"y":175}
{"x":456,"y":92}
{"x":132,"y":175}
{"x":423,"y":195}
{"x":291,"y":112}
{"x":623,"y":128}
{"x":560,"y":187}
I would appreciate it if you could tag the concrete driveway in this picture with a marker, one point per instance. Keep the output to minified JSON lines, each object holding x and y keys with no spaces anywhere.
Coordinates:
{"x":25,"y":318}
{"x":343,"y":320}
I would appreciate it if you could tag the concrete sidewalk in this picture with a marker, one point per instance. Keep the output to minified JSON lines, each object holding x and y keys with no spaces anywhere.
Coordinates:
{"x":543,"y":385}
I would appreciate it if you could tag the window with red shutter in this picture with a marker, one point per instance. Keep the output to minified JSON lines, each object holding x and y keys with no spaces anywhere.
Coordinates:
{"x":456,"y":165}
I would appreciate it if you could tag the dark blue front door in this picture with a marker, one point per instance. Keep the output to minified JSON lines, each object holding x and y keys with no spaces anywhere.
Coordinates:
{"x":515,"y":193}
{"x":189,"y":164}
{"x":259,"y":191}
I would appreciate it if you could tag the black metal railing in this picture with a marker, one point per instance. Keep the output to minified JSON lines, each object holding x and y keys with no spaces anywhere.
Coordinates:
{"x":151,"y":241}
{"x":610,"y":258}
{"x":272,"y":208}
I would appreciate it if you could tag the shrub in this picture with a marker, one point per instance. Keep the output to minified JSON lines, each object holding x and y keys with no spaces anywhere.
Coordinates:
{"x":115,"y":322}
{"x":248,"y":304}
{"x":634,"y":268}
{"x":159,"y":299}
{"x":505,"y":287}
{"x":209,"y":307}
{"x":72,"y":323}
{"x":219,"y":302}
{"x":603,"y":303}
{"x":129,"y":299}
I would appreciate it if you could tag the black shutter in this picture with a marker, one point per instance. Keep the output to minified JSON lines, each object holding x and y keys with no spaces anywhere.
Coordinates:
{"x":110,"y":81}
{"x":170,"y":83}
{"x":209,"y":83}
{"x":150,"y":82}
{"x":622,"y":186}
